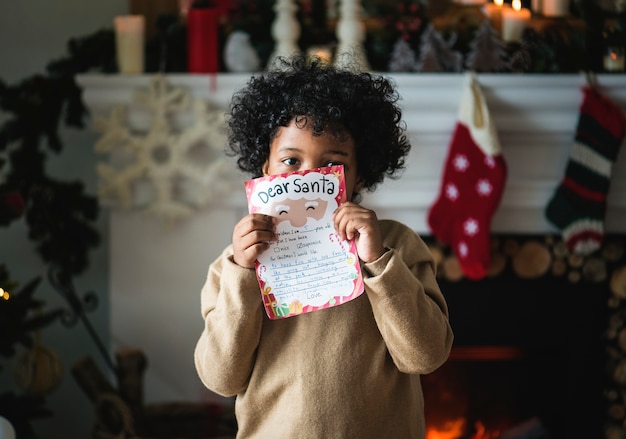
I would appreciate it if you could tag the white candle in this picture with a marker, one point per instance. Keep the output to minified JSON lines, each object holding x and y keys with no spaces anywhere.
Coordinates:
{"x":614,"y":59}
{"x":514,"y":21}
{"x":555,"y":8}
{"x":129,"y":43}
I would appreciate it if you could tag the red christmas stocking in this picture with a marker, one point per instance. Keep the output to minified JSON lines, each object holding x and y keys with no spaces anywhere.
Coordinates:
{"x":474,"y":176}
{"x":578,"y":205}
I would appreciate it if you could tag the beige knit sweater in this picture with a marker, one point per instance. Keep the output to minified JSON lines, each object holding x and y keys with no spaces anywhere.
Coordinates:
{"x":352,"y":371}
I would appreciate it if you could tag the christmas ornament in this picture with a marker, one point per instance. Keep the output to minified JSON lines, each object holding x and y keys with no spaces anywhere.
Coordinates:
{"x":239,"y":55}
{"x":472,"y":185}
{"x":168,"y":171}
{"x":38,"y":370}
{"x":578,"y":205}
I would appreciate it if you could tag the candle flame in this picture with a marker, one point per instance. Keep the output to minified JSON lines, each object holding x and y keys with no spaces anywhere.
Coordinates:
{"x":517,"y":4}
{"x":498,"y":2}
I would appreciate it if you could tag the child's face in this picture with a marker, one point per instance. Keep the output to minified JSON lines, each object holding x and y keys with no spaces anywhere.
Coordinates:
{"x":297,"y":149}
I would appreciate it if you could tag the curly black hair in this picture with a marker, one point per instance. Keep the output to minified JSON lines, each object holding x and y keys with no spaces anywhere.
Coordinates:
{"x":363,"y":104}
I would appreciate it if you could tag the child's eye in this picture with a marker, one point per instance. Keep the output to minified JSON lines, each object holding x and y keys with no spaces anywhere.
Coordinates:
{"x":333,"y":163}
{"x":290,"y":161}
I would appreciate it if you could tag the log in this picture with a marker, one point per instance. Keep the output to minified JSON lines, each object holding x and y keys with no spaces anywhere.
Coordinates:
{"x":90,"y":379}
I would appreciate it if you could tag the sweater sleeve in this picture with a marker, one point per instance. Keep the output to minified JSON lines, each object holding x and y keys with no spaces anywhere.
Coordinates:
{"x":233,"y":315}
{"x":409,"y":308}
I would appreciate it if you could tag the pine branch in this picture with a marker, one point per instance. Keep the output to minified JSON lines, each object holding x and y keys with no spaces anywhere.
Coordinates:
{"x":16,"y":320}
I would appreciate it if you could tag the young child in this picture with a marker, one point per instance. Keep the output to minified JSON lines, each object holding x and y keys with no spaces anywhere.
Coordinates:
{"x":351,"y":371}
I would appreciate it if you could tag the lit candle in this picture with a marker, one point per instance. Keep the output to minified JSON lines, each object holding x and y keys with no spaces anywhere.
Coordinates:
{"x":614,"y":59}
{"x":555,"y":8}
{"x":493,"y":11}
{"x":514,"y":21}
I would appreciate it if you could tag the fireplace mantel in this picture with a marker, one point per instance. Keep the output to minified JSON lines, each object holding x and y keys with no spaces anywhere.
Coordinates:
{"x":535,"y":116}
{"x":156,"y":270}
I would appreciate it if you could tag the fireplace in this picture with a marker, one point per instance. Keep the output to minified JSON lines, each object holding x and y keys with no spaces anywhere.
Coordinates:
{"x":530,"y":357}
{"x":535,"y":116}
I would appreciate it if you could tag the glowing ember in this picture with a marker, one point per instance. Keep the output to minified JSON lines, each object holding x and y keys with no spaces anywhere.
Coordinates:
{"x":450,"y":430}
{"x":482,"y":433}
{"x":456,"y":429}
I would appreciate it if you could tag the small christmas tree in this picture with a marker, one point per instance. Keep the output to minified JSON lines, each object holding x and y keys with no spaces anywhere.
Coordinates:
{"x":403,"y":58}
{"x":487,"y":50}
{"x":436,"y":53}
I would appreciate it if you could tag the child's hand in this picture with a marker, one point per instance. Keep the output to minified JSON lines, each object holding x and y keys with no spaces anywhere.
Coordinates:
{"x":251,"y":236}
{"x":353,"y":221}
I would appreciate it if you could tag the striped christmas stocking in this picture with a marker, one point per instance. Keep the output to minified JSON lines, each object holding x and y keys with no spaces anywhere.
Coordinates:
{"x":578,"y":205}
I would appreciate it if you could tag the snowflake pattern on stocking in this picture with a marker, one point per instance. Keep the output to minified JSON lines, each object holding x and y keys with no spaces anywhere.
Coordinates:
{"x":471,"y":227}
{"x":484,"y":187}
{"x":460,"y":163}
{"x":452,"y":192}
{"x":167,"y":168}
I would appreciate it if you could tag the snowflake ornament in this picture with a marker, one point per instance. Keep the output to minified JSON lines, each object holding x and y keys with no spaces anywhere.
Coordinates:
{"x":166,"y":167}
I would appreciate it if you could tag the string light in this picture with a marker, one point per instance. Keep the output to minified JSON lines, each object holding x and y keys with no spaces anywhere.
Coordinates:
{"x":4,"y":294}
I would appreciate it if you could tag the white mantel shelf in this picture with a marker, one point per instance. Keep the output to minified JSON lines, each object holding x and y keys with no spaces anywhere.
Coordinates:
{"x":535,"y":116}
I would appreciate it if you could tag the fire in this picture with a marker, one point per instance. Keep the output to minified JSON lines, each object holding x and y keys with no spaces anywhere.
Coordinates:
{"x":450,"y":430}
{"x":455,"y":429}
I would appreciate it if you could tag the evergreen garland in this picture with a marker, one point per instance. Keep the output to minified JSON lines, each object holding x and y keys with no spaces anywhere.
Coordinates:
{"x":60,"y":215}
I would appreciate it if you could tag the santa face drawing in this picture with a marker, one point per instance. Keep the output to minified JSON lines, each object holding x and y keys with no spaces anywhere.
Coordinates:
{"x":298,"y":211}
